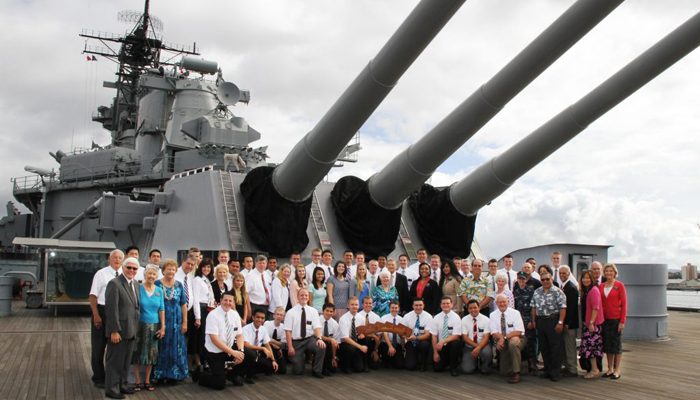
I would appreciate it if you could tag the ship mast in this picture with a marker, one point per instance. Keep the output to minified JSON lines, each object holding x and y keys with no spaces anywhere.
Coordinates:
{"x":140,"y":49}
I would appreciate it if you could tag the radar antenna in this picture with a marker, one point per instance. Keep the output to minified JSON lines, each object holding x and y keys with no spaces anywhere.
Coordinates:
{"x":139,"y":50}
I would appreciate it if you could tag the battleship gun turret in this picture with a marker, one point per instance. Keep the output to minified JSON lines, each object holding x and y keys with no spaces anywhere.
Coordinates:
{"x":180,"y":170}
{"x":454,"y":210}
{"x":278,"y":200}
{"x":369,"y":212}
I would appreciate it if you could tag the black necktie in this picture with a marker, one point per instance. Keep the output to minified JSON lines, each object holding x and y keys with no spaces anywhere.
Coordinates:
{"x":353,"y":330}
{"x":325,"y":328}
{"x":274,"y":334}
{"x":302,"y":331}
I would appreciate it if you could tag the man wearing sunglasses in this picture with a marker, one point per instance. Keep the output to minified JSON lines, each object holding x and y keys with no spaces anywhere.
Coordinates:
{"x":548,"y":313}
{"x":121,"y":325}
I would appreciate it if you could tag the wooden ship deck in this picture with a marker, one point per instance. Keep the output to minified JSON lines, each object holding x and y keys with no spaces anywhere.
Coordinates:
{"x":43,"y":356}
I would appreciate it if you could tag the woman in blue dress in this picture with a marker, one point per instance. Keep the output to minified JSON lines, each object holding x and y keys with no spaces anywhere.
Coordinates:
{"x":172,"y":355}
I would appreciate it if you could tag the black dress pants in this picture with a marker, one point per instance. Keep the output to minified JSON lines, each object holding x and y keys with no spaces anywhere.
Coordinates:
{"x":417,"y":354}
{"x":551,"y":345}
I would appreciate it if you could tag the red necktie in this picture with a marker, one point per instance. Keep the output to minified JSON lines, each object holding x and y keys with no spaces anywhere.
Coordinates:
{"x":267,"y":293}
{"x":475,"y":330}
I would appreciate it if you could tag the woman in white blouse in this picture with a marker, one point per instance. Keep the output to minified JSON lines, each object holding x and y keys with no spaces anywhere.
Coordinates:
{"x":280,"y":289}
{"x":203,"y":292}
{"x":502,"y":288}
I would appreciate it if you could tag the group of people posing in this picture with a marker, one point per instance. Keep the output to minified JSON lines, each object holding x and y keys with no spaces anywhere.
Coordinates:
{"x":234,"y":319}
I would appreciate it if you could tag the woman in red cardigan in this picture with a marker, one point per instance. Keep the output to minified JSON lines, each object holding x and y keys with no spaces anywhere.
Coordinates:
{"x":614,"y":298}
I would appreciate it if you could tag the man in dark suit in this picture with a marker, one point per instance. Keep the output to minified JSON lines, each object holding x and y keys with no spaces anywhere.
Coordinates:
{"x":401,"y":284}
{"x":121,"y":325}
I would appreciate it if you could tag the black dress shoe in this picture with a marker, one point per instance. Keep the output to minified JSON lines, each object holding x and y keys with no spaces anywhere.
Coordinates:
{"x":237,"y":381}
{"x":113,"y":395}
{"x":326,"y":373}
{"x":249,"y":381}
{"x":454,"y":372}
{"x":317,"y":375}
{"x":127,"y":390}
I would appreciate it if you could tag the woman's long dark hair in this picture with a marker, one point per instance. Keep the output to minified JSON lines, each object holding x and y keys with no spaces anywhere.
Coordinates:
{"x":204,"y":263}
{"x":453,"y":271}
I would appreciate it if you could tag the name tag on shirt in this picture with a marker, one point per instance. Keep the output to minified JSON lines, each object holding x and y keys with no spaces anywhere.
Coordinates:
{"x":510,"y":325}
{"x":481,"y":330}
{"x":235,"y":329}
{"x":308,"y":322}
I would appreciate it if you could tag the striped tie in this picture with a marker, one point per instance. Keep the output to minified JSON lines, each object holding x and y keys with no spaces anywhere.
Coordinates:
{"x":187,"y":292}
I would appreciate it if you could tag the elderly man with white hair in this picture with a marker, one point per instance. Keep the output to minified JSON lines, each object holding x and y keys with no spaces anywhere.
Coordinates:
{"x":507,"y":329}
{"x":98,"y":339}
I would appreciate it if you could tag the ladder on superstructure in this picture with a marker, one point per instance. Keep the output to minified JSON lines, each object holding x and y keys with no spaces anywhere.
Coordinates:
{"x":233,"y":223}
{"x":324,"y":239}
{"x":407,"y":242}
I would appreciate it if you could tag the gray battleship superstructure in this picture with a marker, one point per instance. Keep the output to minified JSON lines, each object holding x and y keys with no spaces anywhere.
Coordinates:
{"x":180,"y":170}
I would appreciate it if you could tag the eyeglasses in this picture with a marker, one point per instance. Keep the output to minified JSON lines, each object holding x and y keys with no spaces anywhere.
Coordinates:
{"x":132,"y":268}
{"x":545,"y":279}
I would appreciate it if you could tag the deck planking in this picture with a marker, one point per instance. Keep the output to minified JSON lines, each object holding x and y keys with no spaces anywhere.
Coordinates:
{"x":48,"y":357}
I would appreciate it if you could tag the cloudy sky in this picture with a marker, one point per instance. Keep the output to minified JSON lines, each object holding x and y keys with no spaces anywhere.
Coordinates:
{"x":631,"y":179}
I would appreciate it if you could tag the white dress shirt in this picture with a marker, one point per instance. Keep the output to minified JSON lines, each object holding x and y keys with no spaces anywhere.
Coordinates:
{"x":332,"y":328}
{"x":513,"y":277}
{"x":345,"y":324}
{"x":140,"y":274}
{"x":180,"y":277}
{"x":254,"y":287}
{"x":249,"y":335}
{"x":482,"y":326}
{"x":279,"y":296}
{"x":415,"y":267}
{"x":424,"y":321}
{"x":310,"y":271}
{"x":371,"y":316}
{"x":514,"y":322}
{"x":435,"y":274}
{"x":410,"y":274}
{"x":216,"y":325}
{"x":399,"y":321}
{"x":271,"y":329}
{"x":100,"y":281}
{"x":372,"y":280}
{"x":203,"y":290}
{"x":454,"y":324}
{"x":292,"y":321}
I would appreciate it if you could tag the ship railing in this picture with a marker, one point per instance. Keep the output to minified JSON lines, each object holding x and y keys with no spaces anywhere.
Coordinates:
{"x":30,"y":182}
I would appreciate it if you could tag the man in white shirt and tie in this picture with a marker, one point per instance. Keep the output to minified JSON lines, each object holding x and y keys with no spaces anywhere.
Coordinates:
{"x":597,"y":272}
{"x":302,"y":326}
{"x":278,"y":341}
{"x":418,"y":344}
{"x":327,"y":263}
{"x":446,"y":331}
{"x":355,"y":348}
{"x":224,"y":343}
{"x":257,"y":348}
{"x":258,"y":285}
{"x":406,"y":271}
{"x":98,"y":339}
{"x":372,"y":274}
{"x":507,"y":329}
{"x":476,"y":336}
{"x":247,"y":265}
{"x":391,"y":350}
{"x":511,"y":275}
{"x":359,"y":260}
{"x":556,"y":264}
{"x":185,"y":275}
{"x":422,"y":256}
{"x":435,"y":268}
{"x":466,"y":268}
{"x":330,"y":337}
{"x":315,"y":262}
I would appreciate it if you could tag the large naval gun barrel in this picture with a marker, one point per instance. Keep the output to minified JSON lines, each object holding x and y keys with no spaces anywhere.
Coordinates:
{"x":369,"y":213}
{"x":278,"y":202}
{"x":457,"y":208}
